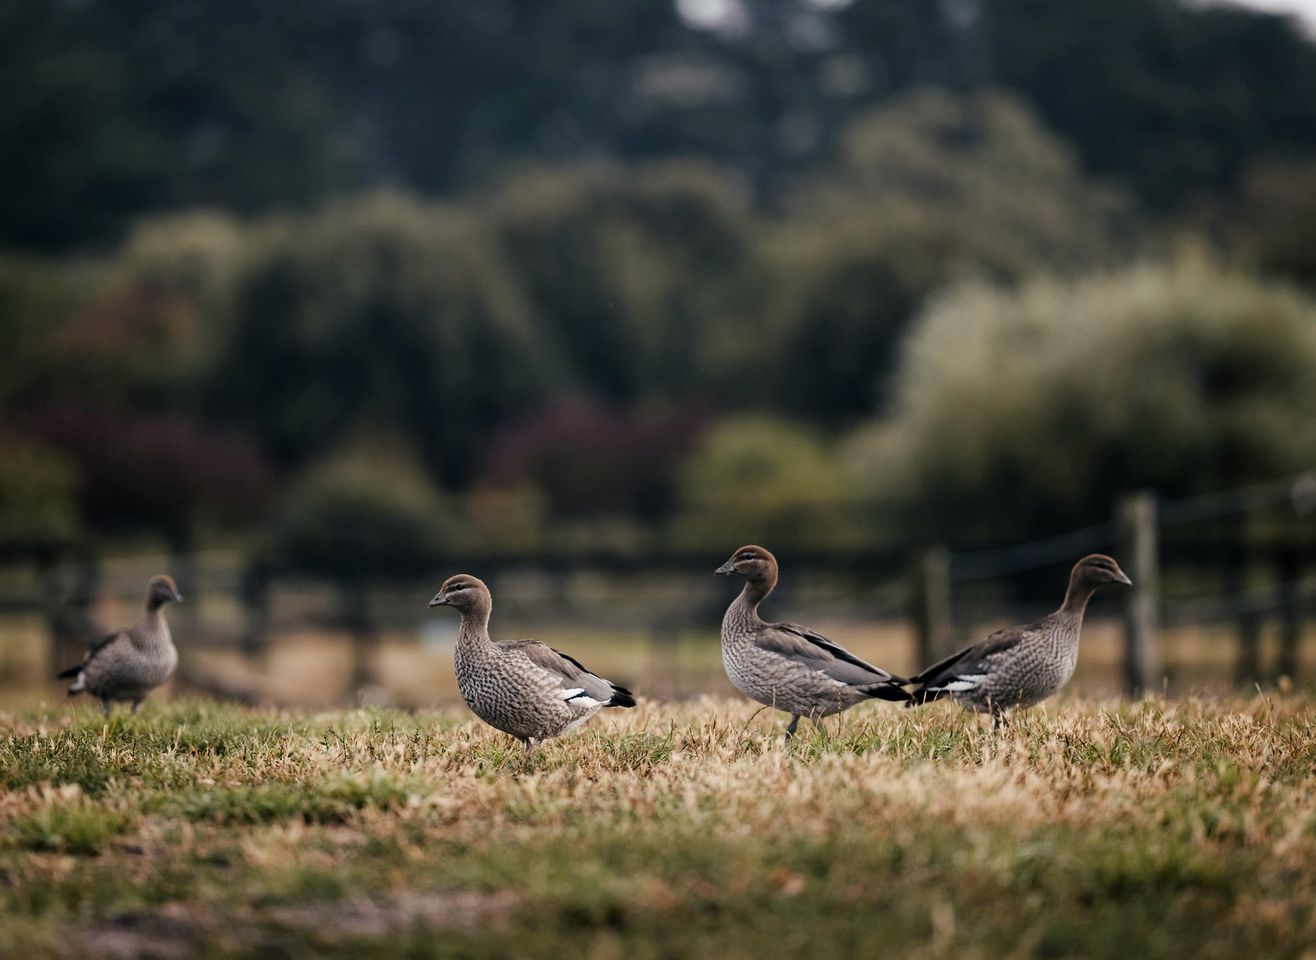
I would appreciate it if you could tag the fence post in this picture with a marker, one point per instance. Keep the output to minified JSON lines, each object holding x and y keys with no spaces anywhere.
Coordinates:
{"x":254,"y":589}
{"x":1239,"y":557}
{"x":1290,"y":634}
{"x":1138,"y":540}
{"x":932,"y":595}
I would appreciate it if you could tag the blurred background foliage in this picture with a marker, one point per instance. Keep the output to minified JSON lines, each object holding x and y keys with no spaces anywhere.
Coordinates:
{"x":366,"y":512}
{"x":353,"y":286}
{"x":1022,"y":409}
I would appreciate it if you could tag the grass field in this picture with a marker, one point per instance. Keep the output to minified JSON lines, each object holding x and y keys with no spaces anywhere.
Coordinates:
{"x":1099,"y":829}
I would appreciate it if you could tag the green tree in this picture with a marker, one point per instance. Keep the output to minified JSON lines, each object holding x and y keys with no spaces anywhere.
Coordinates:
{"x":1172,"y":97}
{"x":1020,"y":413}
{"x":630,"y":270}
{"x":931,"y":188}
{"x":381,"y":311}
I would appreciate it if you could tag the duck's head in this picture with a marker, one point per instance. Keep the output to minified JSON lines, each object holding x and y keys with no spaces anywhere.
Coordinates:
{"x":160,"y":590}
{"x":464,"y":593}
{"x":751,"y":562}
{"x":1096,"y":569}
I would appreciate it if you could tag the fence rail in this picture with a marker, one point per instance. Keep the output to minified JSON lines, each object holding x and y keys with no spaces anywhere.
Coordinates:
{"x":1163,"y":544}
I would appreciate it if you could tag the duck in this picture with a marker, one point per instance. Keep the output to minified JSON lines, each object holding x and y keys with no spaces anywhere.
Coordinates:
{"x":1017,"y":667}
{"x":127,"y":664}
{"x":787,"y":666}
{"x":522,"y":687}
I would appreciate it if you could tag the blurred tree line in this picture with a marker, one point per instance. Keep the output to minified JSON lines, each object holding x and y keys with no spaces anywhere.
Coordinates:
{"x":365,"y":285}
{"x":113,"y":110}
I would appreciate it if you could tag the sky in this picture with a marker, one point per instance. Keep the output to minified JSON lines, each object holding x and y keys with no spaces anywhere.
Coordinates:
{"x":1304,"y":8}
{"x":725,"y":13}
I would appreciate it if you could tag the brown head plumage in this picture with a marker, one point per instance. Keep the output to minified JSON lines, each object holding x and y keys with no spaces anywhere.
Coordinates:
{"x":1096,"y":569}
{"x":465,"y":593}
{"x":160,"y":590}
{"x":751,"y":562}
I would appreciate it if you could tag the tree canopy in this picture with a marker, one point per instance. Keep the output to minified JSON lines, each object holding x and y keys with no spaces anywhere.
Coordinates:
{"x":112,"y":111}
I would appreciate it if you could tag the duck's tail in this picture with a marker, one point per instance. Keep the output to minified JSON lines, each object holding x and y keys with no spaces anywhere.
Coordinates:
{"x":621,"y":697}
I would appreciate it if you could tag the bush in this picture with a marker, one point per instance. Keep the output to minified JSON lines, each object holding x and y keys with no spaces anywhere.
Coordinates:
{"x":588,"y":460}
{"x":363,"y":515}
{"x":1020,"y":413}
{"x":763,"y":480}
{"x":162,"y":472}
{"x":38,"y":489}
{"x":506,"y":520}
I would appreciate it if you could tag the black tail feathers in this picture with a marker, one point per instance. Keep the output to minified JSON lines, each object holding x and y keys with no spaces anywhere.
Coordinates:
{"x":888,"y":691}
{"x":70,"y":672}
{"x":621,"y":697}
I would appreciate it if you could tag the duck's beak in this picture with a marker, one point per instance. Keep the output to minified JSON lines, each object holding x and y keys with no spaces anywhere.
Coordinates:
{"x":439,"y":600}
{"x":178,"y":597}
{"x":725,"y":569}
{"x":1124,"y":578}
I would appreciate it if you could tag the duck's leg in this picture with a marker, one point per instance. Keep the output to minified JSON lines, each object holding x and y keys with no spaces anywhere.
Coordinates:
{"x":105,"y":706}
{"x":999,"y":721}
{"x":136,"y":704}
{"x":790,"y":728}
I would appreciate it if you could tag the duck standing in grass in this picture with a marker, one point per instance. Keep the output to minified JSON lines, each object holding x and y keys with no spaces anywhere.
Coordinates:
{"x":786,"y":666}
{"x":521,"y":687}
{"x":1020,"y":666}
{"x":130,"y":663}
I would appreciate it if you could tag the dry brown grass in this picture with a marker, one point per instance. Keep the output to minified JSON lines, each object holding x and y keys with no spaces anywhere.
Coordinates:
{"x":1089,"y":828}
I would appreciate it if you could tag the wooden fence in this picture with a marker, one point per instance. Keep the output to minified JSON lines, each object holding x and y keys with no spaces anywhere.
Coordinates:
{"x":1249,"y":556}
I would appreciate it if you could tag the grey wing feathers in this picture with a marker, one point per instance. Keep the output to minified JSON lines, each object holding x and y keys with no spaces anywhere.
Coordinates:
{"x":94,"y":649}
{"x":574,"y":674}
{"x":973,"y":660}
{"x":803,"y":645}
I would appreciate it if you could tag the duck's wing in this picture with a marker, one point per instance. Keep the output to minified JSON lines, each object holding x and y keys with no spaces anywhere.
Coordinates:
{"x":815,"y":652}
{"x":92,"y":651}
{"x":579,"y":685}
{"x":965,"y":669}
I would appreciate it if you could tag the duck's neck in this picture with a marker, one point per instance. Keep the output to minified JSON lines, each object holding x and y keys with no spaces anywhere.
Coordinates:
{"x":152,"y":627}
{"x":474,"y":630}
{"x":746,"y":606}
{"x":1076,"y":598}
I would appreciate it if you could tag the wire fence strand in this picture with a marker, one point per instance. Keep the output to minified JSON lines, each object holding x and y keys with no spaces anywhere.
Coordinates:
{"x":1000,"y":561}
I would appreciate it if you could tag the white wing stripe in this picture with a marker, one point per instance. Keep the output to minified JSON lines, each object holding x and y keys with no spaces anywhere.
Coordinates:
{"x":578,"y":695}
{"x":962,"y":683}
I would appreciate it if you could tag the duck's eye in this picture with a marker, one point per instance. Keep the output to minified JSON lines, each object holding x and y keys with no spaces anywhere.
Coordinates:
{"x":745,"y":556}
